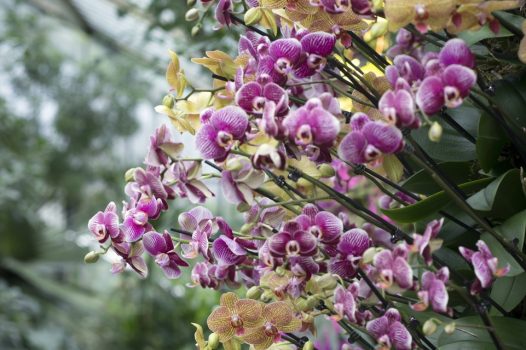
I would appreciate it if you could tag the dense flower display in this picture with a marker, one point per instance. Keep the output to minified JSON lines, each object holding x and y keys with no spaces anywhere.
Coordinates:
{"x":321,"y":131}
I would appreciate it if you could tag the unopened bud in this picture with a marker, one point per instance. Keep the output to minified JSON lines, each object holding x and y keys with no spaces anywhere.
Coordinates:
{"x":168,"y":101}
{"x":308,"y":346}
{"x":129,"y":175}
{"x":191,"y":3}
{"x":253,"y":16}
{"x":429,"y":327}
{"x":191,"y":15}
{"x":368,"y":255}
{"x":312,"y":302}
{"x":254,"y":292}
{"x":326,"y":170}
{"x":302,"y":305}
{"x":378,"y":29}
{"x":450,"y":327}
{"x":267,"y":296}
{"x":243,"y":207}
{"x":91,"y":258}
{"x":435,"y":132}
{"x":327,"y":281}
{"x":195,"y":30}
{"x":213,"y":341}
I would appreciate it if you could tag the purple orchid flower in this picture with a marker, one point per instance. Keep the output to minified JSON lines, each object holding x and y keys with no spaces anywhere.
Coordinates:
{"x":456,"y":51}
{"x":448,"y":90}
{"x":406,"y":67}
{"x":220,"y":130}
{"x":368,"y":140}
{"x":389,"y":331}
{"x":313,"y":129}
{"x":161,"y":247}
{"x":392,"y":267}
{"x":485,"y":266}
{"x":421,"y":243}
{"x":105,"y":224}
{"x":185,"y":177}
{"x":253,"y":96}
{"x":269,"y":157}
{"x":162,"y":147}
{"x":149,"y":182}
{"x":324,"y":225}
{"x":263,"y":221}
{"x":398,"y":107}
{"x":345,"y":304}
{"x":228,"y":252}
{"x":292,"y":241}
{"x":282,"y":56}
{"x":200,"y":221}
{"x":316,"y":46}
{"x":433,"y":291}
{"x":351,"y":247}
{"x":333,"y":6}
{"x":131,"y":255}
{"x":406,"y":43}
{"x":222,"y":12}
{"x":238,"y":184}
{"x":136,"y":219}
{"x":203,"y":274}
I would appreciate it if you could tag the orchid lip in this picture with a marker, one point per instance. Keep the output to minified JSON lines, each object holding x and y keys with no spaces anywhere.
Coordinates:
{"x":372,"y":153}
{"x":282,"y":65}
{"x":162,"y":259}
{"x":224,"y":139}
{"x":452,"y":97}
{"x":259,"y":104}
{"x":315,"y":61}
{"x":271,"y":330}
{"x":304,"y":135}
{"x":140,"y":218}
{"x":236,"y":321}
{"x":292,"y":248}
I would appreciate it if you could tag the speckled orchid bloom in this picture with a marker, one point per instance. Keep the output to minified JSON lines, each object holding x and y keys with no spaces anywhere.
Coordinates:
{"x":352,"y":245}
{"x":162,"y":147}
{"x":292,"y":241}
{"x":433,"y":291}
{"x":240,"y":179}
{"x":278,"y":317}
{"x":253,"y":96}
{"x":485,"y":265}
{"x":200,"y":222}
{"x":220,"y":130}
{"x":105,"y":224}
{"x":131,"y":255}
{"x":234,"y":316}
{"x":389,"y":331}
{"x":184,"y":178}
{"x":424,"y":14}
{"x":161,"y":247}
{"x":392,"y":267}
{"x":369,"y":139}
{"x":316,"y":47}
{"x":282,"y":56}
{"x":136,"y":220}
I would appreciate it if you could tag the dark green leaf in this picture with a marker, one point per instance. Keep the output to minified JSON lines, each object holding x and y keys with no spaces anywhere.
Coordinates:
{"x":502,"y":198}
{"x":474,"y":36}
{"x":431,"y":204}
{"x":510,"y":331}
{"x":421,"y":182}
{"x":452,"y":147}
{"x":508,"y":292}
{"x":490,"y":141}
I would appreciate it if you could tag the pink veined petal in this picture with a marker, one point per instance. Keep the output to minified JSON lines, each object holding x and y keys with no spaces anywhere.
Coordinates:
{"x":354,"y":242}
{"x":439,"y":296}
{"x":231,"y":119}
{"x":171,"y":271}
{"x":352,"y":147}
{"x":277,"y":243}
{"x":275,"y":93}
{"x":138,"y":265}
{"x":466,"y":253}
{"x":456,"y":51}
{"x":378,"y":327}
{"x":187,"y":221}
{"x":326,"y":126}
{"x":342,"y":267}
{"x":428,"y":278}
{"x":409,"y":68}
{"x":230,"y":188}
{"x":148,"y":205}
{"x":402,"y":273}
{"x":459,"y":77}
{"x":318,"y":43}
{"x":132,"y":231}
{"x":392,"y":75}
{"x":287,"y":48}
{"x":385,"y":137}
{"x":405,"y":108}
{"x":154,"y":243}
{"x":245,"y":96}
{"x":330,"y":225}
{"x":400,"y":337}
{"x":206,"y":143}
{"x":482,"y":269}
{"x":201,"y":213}
{"x":306,"y":241}
{"x":430,"y":95}
{"x":484,"y":249}
{"x":383,"y":260}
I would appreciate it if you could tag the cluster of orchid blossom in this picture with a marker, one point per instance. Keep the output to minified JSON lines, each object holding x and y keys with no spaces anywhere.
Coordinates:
{"x":300,"y":256}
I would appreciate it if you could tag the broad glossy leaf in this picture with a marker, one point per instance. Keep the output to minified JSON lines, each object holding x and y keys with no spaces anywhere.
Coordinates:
{"x":490,"y":141}
{"x":508,"y":292}
{"x":510,"y":331}
{"x":421,"y":182}
{"x":452,"y":146}
{"x":502,"y":198}
{"x":431,"y":204}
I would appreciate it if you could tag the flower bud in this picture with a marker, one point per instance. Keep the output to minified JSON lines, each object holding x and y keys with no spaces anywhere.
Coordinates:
{"x":213,"y":341}
{"x":368,"y":255}
{"x":253,"y":16}
{"x":192,"y":15}
{"x":450,"y":327}
{"x":267,"y":296}
{"x":129,"y":175}
{"x":168,"y":101}
{"x":191,"y":3}
{"x":91,"y":258}
{"x":308,"y":346}
{"x":435,"y":132}
{"x":243,"y":207}
{"x":429,"y":327}
{"x":195,"y":30}
{"x":327,"y":281}
{"x":326,"y":170}
{"x":302,"y":305}
{"x":312,"y":302}
{"x":254,"y":292}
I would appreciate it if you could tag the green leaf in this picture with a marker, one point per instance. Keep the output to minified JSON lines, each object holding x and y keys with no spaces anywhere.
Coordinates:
{"x":510,"y":331}
{"x":513,"y":228}
{"x":452,"y":147}
{"x":490,"y":141}
{"x":474,"y":36}
{"x":422,"y":182}
{"x":508,"y":292}
{"x":393,"y":168}
{"x":431,"y":204}
{"x":502,"y":198}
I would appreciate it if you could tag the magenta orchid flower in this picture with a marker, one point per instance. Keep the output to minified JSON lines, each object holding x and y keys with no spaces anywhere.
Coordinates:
{"x":292,"y":241}
{"x":433,"y":291}
{"x":392,"y":267}
{"x":105,"y":224}
{"x":326,"y":226}
{"x":131,"y":255}
{"x":421,"y":243}
{"x":485,"y":265}
{"x":136,"y":220}
{"x":220,"y":130}
{"x":162,"y":147}
{"x":345,"y":304}
{"x":351,"y":247}
{"x":282,"y":56}
{"x":161,"y":247}
{"x":200,"y":222}
{"x":316,"y":46}
{"x":253,"y":96}
{"x":239,"y":183}
{"x":398,"y":107}
{"x":184,"y":176}
{"x":389,"y":331}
